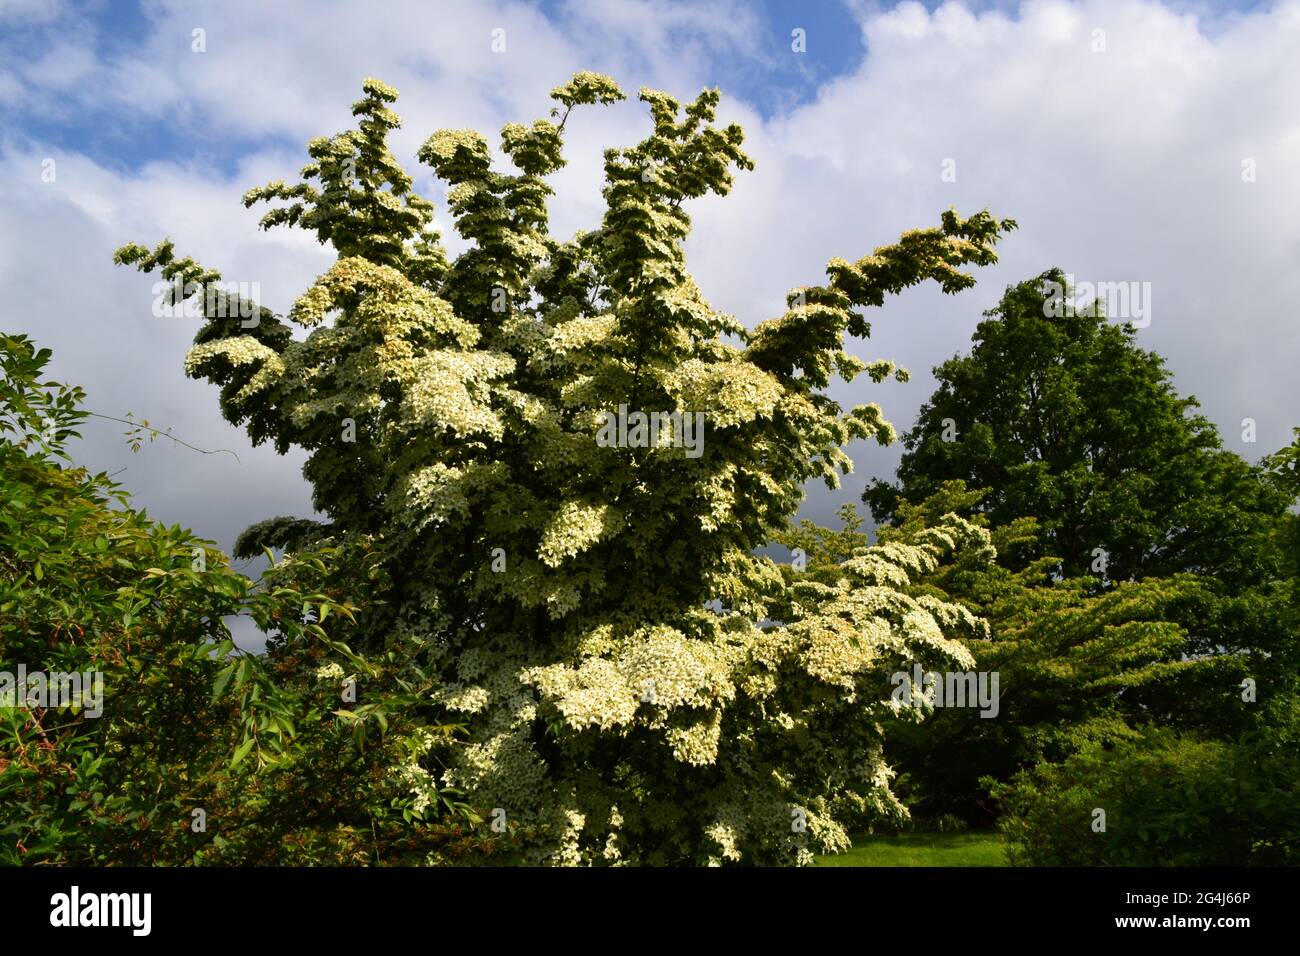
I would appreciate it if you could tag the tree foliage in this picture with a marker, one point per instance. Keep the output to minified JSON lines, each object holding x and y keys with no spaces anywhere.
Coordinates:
{"x":1168,"y":800}
{"x":190,"y":750}
{"x":1146,"y":583}
{"x":636,"y":683}
{"x":1075,"y":666}
{"x":1063,"y":417}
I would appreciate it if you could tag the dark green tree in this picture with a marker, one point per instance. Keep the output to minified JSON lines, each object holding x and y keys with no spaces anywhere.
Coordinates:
{"x":1174,"y":797}
{"x":1062,"y":416}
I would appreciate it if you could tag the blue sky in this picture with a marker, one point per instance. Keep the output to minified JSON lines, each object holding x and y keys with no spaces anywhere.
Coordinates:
{"x":113,"y":28}
{"x":772,"y":82}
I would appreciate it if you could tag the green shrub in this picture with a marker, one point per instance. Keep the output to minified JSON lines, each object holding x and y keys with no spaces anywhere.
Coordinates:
{"x":950,"y":823}
{"x":189,"y":751}
{"x":1168,"y":800}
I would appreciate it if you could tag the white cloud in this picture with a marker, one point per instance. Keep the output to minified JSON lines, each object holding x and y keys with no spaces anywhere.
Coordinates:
{"x":1119,"y":165}
{"x":30,"y":11}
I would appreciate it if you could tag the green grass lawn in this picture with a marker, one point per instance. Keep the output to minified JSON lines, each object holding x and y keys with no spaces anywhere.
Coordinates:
{"x":965,"y":848}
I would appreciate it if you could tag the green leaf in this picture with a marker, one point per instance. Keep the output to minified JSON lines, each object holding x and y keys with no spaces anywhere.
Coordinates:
{"x":223,"y":678}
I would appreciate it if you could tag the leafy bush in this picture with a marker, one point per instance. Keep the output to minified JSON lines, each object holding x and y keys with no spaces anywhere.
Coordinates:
{"x":1075,"y":667}
{"x":1169,"y":800}
{"x":191,"y":751}
{"x":949,"y":823}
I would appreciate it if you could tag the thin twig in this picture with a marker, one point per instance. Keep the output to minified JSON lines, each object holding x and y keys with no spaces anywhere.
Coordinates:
{"x":157,"y":431}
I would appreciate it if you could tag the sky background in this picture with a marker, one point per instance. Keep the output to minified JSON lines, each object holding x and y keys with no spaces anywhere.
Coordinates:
{"x":1122,"y":164}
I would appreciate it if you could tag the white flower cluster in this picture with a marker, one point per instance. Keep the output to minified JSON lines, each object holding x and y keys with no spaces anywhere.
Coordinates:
{"x":575,"y":527}
{"x":332,"y":671}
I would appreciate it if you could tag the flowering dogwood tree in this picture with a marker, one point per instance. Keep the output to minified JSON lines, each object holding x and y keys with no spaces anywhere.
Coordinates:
{"x":636,"y":684}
